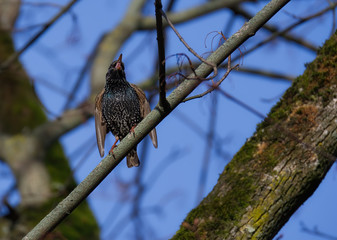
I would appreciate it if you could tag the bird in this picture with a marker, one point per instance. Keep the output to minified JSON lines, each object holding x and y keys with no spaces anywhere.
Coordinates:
{"x":119,"y":107}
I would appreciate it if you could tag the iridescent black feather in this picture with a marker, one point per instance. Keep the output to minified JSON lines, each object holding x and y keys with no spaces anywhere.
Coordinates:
{"x":119,"y":107}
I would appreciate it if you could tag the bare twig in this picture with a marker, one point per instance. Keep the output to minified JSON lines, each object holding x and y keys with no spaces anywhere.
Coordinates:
{"x":214,"y":85}
{"x":264,"y":73}
{"x":316,"y":232}
{"x":283,"y":32}
{"x":215,"y":70}
{"x":14,"y":56}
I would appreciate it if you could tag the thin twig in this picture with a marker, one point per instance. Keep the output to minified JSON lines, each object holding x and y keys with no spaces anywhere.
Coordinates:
{"x":214,"y":85}
{"x":15,"y":55}
{"x":215,"y":70}
{"x":283,"y":32}
{"x":316,"y":232}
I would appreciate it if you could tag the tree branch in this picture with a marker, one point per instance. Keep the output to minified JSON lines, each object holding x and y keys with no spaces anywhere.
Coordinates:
{"x":64,"y":208}
{"x":280,"y":166}
{"x":161,"y":54}
{"x":51,"y":131}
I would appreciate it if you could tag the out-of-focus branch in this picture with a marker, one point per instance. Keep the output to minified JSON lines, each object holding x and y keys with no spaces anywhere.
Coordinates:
{"x":316,"y":232}
{"x":148,"y":23}
{"x":265,"y":73}
{"x":292,"y":26}
{"x":112,"y":42}
{"x":13,"y":57}
{"x":241,"y":103}
{"x":64,"y":208}
{"x":51,"y":131}
{"x":273,"y":29}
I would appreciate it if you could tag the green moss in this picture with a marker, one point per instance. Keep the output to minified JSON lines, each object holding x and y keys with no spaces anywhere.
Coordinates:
{"x":245,"y":154}
{"x":6,"y":45}
{"x":21,"y":110}
{"x":58,"y":166}
{"x":19,"y":107}
{"x":182,"y":234}
{"x":81,"y":223}
{"x":222,"y":210}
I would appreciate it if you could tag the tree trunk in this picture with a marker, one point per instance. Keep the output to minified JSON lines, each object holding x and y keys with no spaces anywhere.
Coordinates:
{"x":42,"y":173}
{"x":280,"y":166}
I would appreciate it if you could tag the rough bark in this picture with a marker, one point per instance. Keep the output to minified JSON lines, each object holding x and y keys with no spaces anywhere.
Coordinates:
{"x":40,"y":170}
{"x":280,"y":166}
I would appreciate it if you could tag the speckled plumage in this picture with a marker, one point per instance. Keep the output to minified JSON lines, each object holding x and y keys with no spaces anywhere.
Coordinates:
{"x":119,"y":107}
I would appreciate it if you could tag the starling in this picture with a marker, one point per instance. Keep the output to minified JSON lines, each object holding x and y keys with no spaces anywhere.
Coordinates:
{"x":119,"y":107}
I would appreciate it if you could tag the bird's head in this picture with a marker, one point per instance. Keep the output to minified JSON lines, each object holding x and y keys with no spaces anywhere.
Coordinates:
{"x":116,"y":69}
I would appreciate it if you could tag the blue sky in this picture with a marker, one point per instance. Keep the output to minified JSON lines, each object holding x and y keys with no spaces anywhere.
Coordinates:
{"x":57,"y":57}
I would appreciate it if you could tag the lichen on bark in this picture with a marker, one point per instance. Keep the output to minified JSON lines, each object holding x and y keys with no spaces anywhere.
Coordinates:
{"x":280,"y":166}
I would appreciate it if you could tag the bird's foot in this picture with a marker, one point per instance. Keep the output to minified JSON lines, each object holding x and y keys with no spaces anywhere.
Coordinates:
{"x":113,"y":146}
{"x":132,"y":130}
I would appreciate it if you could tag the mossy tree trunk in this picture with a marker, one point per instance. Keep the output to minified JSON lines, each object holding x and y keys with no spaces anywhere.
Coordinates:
{"x":42,"y":173}
{"x":280,"y":166}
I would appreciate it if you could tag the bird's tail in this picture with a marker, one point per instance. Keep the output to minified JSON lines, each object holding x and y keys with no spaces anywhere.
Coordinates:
{"x":132,"y":159}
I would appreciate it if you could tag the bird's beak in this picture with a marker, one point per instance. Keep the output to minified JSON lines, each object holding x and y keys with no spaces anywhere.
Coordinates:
{"x":119,"y":63}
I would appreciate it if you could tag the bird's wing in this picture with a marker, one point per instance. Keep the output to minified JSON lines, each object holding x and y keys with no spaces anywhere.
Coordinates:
{"x":145,"y":110}
{"x":100,"y":125}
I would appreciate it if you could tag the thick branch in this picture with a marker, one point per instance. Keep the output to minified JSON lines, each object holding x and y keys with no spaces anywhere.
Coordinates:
{"x":53,"y":130}
{"x":280,"y":166}
{"x":154,"y":118}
